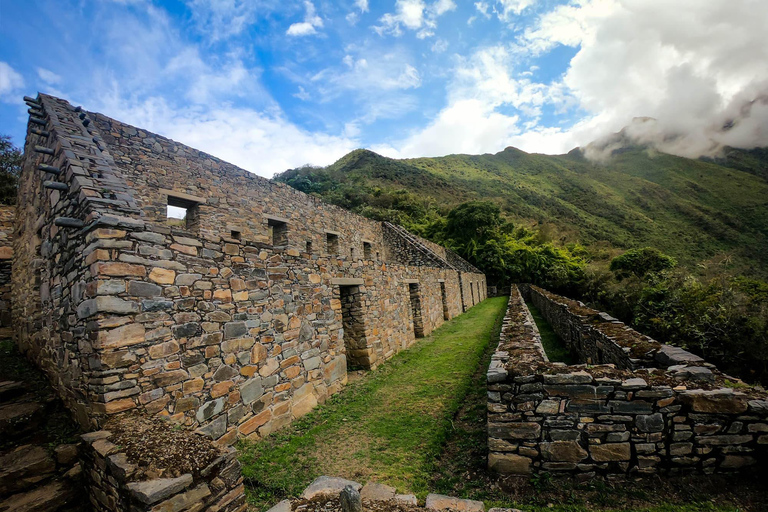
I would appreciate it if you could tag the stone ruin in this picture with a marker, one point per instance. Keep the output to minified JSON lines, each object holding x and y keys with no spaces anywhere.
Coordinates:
{"x":233,"y":319}
{"x":633,"y":406}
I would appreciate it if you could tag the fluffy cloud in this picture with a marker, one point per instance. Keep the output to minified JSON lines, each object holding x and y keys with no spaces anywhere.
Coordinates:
{"x":10,"y":83}
{"x":47,"y":76}
{"x":262,"y":142}
{"x":696,"y":68}
{"x":414,"y":15}
{"x":310,"y":24}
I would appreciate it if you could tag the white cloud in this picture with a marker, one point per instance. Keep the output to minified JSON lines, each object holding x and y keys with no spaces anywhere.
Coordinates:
{"x":483,"y":8}
{"x":362,"y":5}
{"x":49,"y":77}
{"x":302,"y":94}
{"x":222,"y":19}
{"x":310,"y":24}
{"x":263,"y":143}
{"x":505,"y":9}
{"x":414,"y":15}
{"x":10,"y":83}
{"x":697,"y":68}
{"x":439,"y":46}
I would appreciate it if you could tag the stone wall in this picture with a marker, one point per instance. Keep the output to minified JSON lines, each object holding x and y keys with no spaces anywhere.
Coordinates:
{"x":7,"y":215}
{"x":116,"y":483}
{"x":587,"y":420}
{"x":233,"y":325}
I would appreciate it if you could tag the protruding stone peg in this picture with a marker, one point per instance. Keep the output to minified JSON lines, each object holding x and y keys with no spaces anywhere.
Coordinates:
{"x":42,"y":133}
{"x":68,"y":222}
{"x":78,"y":108}
{"x":50,"y":169}
{"x":35,"y":112}
{"x":82,"y":115}
{"x":33,"y":104}
{"x":28,"y":99}
{"x":86,"y":122}
{"x":43,"y":149}
{"x":37,"y":120}
{"x":55,"y":185}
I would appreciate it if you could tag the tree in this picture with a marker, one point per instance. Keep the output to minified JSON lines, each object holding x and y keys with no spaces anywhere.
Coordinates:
{"x":641,"y":263}
{"x":10,"y":168}
{"x":473,"y":223}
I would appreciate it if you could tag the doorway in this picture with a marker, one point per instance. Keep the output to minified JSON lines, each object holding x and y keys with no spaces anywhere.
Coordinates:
{"x":415,"y":296}
{"x":444,"y":298}
{"x":353,"y":322}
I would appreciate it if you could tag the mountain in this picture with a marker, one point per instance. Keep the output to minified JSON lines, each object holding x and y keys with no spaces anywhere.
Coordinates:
{"x":692,"y":209}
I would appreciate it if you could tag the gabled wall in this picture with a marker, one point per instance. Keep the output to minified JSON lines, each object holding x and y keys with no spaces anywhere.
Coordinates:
{"x":235,"y":336}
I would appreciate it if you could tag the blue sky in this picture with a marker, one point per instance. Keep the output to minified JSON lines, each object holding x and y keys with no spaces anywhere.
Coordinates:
{"x":270,"y":85}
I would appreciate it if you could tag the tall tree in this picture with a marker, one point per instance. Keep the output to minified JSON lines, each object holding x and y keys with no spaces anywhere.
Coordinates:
{"x":10,"y":168}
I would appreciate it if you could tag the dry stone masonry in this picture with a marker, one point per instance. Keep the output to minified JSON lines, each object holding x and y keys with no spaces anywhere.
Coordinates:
{"x":235,"y":320}
{"x":679,"y":416}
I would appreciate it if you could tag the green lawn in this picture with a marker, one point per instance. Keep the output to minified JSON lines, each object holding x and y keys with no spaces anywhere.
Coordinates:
{"x":555,"y":348}
{"x":418,"y":423}
{"x":389,"y":426}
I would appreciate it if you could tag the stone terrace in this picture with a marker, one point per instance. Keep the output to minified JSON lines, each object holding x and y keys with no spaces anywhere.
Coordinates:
{"x":603,"y":419}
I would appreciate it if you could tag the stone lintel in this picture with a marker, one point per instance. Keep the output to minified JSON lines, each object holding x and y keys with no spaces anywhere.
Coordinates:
{"x":276,"y":218}
{"x":411,"y":281}
{"x":347,"y":281}
{"x":441,"y":280}
{"x":183,"y":195}
{"x":329,"y":232}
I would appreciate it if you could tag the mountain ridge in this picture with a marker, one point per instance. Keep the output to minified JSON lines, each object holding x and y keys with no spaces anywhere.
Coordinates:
{"x":694,"y":209}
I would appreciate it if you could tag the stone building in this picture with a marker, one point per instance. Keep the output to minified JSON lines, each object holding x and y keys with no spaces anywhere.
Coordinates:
{"x":238,"y":318}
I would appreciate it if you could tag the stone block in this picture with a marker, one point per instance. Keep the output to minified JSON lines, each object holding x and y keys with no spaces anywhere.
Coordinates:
{"x":514,"y":430}
{"x":373,"y":491}
{"x":441,"y":502}
{"x":650,"y":422}
{"x":611,"y":452}
{"x":565,"y":451}
{"x":326,"y":485}
{"x":720,"y":401}
{"x":153,"y":491}
{"x":509,"y":463}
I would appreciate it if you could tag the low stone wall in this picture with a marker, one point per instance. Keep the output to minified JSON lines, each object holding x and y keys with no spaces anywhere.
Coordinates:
{"x":589,"y":420}
{"x":598,"y":338}
{"x":116,"y":482}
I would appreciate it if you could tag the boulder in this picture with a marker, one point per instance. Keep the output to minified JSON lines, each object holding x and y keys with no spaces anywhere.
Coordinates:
{"x":324,"y":485}
{"x":441,"y":502}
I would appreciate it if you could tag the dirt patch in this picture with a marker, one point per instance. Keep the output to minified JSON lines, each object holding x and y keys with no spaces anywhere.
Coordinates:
{"x":159,"y":449}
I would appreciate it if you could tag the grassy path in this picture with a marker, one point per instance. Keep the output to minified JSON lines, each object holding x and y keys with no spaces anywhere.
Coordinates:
{"x":553,"y":345}
{"x":389,"y":426}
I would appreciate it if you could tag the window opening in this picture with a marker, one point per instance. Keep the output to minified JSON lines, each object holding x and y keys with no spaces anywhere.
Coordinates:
{"x":418,"y":325}
{"x":332,"y":243}
{"x":367,"y":250}
{"x":278,"y":232}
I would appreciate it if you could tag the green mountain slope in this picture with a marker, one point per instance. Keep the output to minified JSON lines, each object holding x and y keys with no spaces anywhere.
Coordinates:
{"x":692,"y":209}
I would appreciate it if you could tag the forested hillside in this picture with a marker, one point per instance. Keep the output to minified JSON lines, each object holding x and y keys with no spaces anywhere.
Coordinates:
{"x":692,"y":209}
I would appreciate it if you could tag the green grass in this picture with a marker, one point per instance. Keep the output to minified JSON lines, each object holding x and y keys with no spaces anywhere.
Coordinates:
{"x":389,"y":426}
{"x":554,"y":347}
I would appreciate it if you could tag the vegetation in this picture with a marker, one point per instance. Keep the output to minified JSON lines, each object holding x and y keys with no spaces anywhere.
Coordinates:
{"x":358,"y":434}
{"x":554,"y":347}
{"x":693,"y":210}
{"x":10,"y":167}
{"x":671,"y":246}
